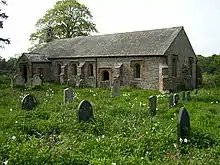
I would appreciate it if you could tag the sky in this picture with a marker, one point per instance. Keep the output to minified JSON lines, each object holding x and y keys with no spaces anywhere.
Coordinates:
{"x":200,"y":19}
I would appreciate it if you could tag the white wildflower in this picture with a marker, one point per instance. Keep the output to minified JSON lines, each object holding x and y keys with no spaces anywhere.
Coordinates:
{"x":171,"y":118}
{"x":156,"y":109}
{"x":216,"y":102}
{"x":142,"y":158}
{"x":174,"y":145}
{"x":103,"y":136}
{"x":181,"y":140}
{"x":16,"y":122}
{"x":10,"y":109}
{"x":185,"y":140}
{"x":6,"y":162}
{"x":113,"y":163}
{"x":13,"y":137}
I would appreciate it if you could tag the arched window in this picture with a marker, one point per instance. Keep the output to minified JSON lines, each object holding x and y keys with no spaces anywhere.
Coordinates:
{"x":58,"y":69}
{"x":90,"y":70}
{"x":137,"y":71}
{"x":74,"y":69}
{"x":105,"y":75}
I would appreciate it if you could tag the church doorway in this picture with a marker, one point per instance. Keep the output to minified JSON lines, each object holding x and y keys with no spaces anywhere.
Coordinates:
{"x":105,"y":75}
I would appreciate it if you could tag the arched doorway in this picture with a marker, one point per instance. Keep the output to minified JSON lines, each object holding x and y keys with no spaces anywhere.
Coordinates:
{"x":105,"y":75}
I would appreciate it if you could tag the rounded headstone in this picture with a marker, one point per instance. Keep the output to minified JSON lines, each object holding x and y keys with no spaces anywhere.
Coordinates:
{"x":183,"y":126}
{"x":28,"y":102}
{"x":85,"y":111}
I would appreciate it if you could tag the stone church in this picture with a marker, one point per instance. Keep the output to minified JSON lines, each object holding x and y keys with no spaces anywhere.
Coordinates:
{"x":160,"y":59}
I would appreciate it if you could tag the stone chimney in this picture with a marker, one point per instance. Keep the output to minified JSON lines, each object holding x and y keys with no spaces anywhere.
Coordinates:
{"x":49,"y":36}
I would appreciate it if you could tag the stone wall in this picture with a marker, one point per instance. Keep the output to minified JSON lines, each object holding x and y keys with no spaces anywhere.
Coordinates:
{"x":182,"y":48}
{"x":45,"y":68}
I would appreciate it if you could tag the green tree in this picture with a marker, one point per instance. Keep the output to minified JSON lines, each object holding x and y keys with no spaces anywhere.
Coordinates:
{"x":3,"y":16}
{"x":67,"y":19}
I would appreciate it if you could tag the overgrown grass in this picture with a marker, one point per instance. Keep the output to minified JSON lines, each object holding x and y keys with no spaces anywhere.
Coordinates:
{"x":123,"y":132}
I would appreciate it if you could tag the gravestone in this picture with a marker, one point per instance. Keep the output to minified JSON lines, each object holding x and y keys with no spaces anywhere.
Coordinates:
{"x":170,"y":101}
{"x":28,"y":102}
{"x":175,"y":99}
{"x":115,"y":89}
{"x":37,"y":81}
{"x":183,"y":125}
{"x":196,"y":91}
{"x":188,"y":96}
{"x":152,"y":105}
{"x":85,"y":111}
{"x":68,"y":95}
{"x":17,"y":81}
{"x":183,"y":96}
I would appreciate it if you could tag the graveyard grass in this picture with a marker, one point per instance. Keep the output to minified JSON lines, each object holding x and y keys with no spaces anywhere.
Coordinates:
{"x":122,"y":133}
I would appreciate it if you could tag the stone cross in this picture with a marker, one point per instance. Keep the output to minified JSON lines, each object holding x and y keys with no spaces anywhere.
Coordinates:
{"x":175,"y":99}
{"x":115,"y":89}
{"x":37,"y":81}
{"x":183,"y":126}
{"x":85,"y":111}
{"x":170,"y":101}
{"x":28,"y":102}
{"x":183,"y":96}
{"x":17,"y":81}
{"x":152,"y":105}
{"x":188,"y":96}
{"x":68,"y":95}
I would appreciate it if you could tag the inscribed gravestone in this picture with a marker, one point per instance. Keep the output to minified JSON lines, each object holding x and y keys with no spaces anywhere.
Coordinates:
{"x":152,"y":105}
{"x":183,"y":96}
{"x":17,"y":81}
{"x":85,"y":111}
{"x":170,"y":100}
{"x":68,"y":95}
{"x":37,"y":81}
{"x":28,"y":102}
{"x":188,"y":95}
{"x":115,"y":89}
{"x":183,"y":126}
{"x":175,"y":99}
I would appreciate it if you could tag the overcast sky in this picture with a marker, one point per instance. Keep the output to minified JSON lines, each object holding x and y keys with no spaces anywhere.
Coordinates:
{"x":200,"y":18}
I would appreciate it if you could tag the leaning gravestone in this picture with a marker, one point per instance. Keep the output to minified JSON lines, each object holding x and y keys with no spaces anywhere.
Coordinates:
{"x":37,"y":81}
{"x":188,"y":95}
{"x":170,"y":101}
{"x":115,"y":89}
{"x":175,"y":99}
{"x":183,"y":96}
{"x":85,"y":111}
{"x":152,"y":105}
{"x":196,"y":91}
{"x":17,"y":81}
{"x":28,"y":102}
{"x":68,"y":95}
{"x":183,"y":125}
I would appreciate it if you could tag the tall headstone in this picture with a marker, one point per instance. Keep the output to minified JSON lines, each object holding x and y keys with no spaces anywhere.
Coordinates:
{"x":183,"y":125}
{"x":188,"y":96}
{"x":152,"y":105}
{"x":28,"y":102}
{"x":183,"y":96}
{"x":68,"y":95}
{"x":175,"y":99}
{"x":17,"y":81}
{"x":37,"y":81}
{"x":115,"y":89}
{"x":85,"y":111}
{"x":170,"y":101}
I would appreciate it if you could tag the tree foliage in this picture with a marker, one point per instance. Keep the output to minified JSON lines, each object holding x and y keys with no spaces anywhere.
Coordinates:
{"x":210,"y":64}
{"x":68,"y":18}
{"x":3,"y":16}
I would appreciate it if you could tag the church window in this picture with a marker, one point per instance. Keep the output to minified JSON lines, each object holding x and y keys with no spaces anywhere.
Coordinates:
{"x":137,"y":72}
{"x":174,"y":68}
{"x":74,"y":69}
{"x":90,"y":70}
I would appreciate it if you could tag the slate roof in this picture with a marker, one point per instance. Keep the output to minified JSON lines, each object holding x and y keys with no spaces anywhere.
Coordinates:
{"x":37,"y":57}
{"x":149,"y":42}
